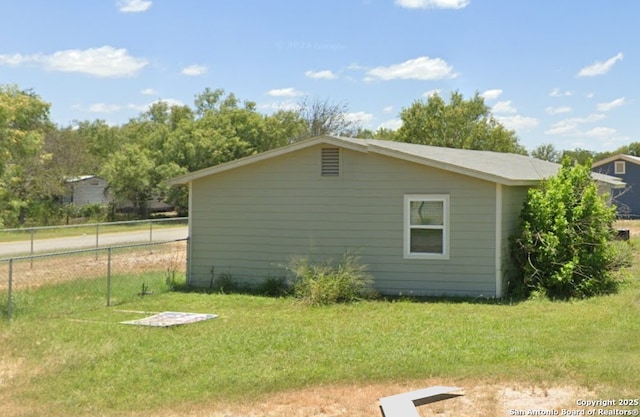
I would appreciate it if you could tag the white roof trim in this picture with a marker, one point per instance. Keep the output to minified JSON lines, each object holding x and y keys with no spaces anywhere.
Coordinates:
{"x":620,"y":156}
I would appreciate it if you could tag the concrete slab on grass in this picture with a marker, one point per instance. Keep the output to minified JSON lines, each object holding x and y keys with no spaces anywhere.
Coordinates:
{"x":404,"y":405}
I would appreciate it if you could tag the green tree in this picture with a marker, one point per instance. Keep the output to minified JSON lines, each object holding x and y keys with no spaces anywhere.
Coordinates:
{"x":579,"y":155}
{"x":381,"y":133}
{"x":460,"y":123}
{"x":24,"y":119}
{"x":564,"y":246}
{"x":130,"y":173}
{"x":102,"y":139}
{"x":546,"y":152}
{"x":70,"y":153}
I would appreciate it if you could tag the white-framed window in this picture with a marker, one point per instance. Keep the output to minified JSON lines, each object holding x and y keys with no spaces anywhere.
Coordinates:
{"x":619,"y":167}
{"x":426,"y":226}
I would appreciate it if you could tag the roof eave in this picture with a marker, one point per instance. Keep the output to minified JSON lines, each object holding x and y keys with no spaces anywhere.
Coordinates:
{"x":451,"y":168}
{"x":616,"y":157}
{"x":273,"y":153}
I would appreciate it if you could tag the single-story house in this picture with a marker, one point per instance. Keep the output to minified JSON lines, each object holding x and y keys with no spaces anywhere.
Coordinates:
{"x":426,"y":220}
{"x":86,"y":189}
{"x":627,"y":169}
{"x":91,"y":189}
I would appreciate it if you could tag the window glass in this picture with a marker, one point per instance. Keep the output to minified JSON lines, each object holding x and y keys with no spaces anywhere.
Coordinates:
{"x":427,"y":212}
{"x":426,"y":240}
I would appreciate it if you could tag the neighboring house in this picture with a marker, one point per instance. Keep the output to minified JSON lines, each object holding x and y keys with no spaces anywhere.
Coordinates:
{"x":627,"y":168}
{"x":91,"y":189}
{"x":426,"y":220}
{"x":86,"y":189}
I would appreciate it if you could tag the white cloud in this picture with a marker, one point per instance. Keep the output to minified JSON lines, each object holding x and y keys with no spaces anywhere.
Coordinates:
{"x":279,"y":105}
{"x":421,"y":68}
{"x":556,"y":92}
{"x":144,"y":107}
{"x":431,"y":93}
{"x":517,"y":122}
{"x":149,"y":92}
{"x":359,"y":117}
{"x":170,"y":102}
{"x":599,"y":67}
{"x":105,"y":61}
{"x":133,"y":6}
{"x":600,"y":131}
{"x":571,"y":125}
{"x":393,"y":124}
{"x":194,"y":70}
{"x":491,"y":94}
{"x":432,"y":4}
{"x":503,"y":107}
{"x":104,"y":108}
{"x":593,"y":117}
{"x":284,"y":92}
{"x":563,"y":128}
{"x":15,"y":59}
{"x":557,"y":110}
{"x":611,"y":105}
{"x":356,"y":67}
{"x":388,"y":109}
{"x":321,"y":75}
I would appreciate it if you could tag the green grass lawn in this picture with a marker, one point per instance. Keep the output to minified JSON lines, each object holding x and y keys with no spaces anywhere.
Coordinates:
{"x":66,"y":354}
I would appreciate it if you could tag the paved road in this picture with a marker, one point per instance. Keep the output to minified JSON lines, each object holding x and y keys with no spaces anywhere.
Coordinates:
{"x":8,"y":249}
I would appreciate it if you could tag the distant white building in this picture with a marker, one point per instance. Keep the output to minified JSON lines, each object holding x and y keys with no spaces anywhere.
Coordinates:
{"x":86,"y":189}
{"x":91,"y":189}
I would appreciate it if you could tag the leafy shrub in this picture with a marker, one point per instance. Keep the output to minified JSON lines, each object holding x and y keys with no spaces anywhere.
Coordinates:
{"x":564,"y":248}
{"x":95,"y":212}
{"x":224,"y":283}
{"x":274,"y":287}
{"x":623,"y":254}
{"x":329,"y":283}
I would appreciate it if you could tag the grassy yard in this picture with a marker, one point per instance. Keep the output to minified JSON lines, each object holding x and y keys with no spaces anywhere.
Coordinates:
{"x":71,"y":357}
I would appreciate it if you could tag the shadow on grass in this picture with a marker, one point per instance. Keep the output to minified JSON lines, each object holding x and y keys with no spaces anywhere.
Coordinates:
{"x":280,"y":288}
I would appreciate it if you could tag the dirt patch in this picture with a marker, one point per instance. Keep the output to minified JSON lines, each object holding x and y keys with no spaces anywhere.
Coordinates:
{"x":9,"y":369}
{"x":479,"y":399}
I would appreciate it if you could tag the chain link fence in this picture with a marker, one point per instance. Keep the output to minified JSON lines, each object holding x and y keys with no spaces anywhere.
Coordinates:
{"x":64,"y":283}
{"x":32,"y":240}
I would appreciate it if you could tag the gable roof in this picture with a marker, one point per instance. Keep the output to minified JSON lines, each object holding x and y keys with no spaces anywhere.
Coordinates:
{"x":498,"y":167}
{"x":618,"y":157}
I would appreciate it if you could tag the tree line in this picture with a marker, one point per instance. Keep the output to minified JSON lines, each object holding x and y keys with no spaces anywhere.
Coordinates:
{"x":139,"y":156}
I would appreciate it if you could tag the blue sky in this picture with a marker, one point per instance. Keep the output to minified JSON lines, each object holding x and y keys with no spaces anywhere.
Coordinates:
{"x":563,"y":72}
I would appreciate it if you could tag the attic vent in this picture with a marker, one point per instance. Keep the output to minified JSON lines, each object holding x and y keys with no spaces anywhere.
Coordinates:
{"x":330,"y":162}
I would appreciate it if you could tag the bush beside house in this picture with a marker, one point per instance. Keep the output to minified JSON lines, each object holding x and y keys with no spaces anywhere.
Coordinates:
{"x":564,"y":248}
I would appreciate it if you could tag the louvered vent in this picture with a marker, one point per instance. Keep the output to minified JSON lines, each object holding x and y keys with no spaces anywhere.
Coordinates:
{"x":330,"y":162}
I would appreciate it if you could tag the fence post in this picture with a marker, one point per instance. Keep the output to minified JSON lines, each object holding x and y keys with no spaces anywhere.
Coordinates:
{"x":97,"y":239}
{"x":31,"y":251}
{"x":10,"y":290}
{"x":109,"y":277}
{"x":151,"y":231}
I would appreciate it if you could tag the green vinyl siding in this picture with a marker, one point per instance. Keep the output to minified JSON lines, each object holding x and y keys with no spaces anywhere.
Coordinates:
{"x":249,"y":221}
